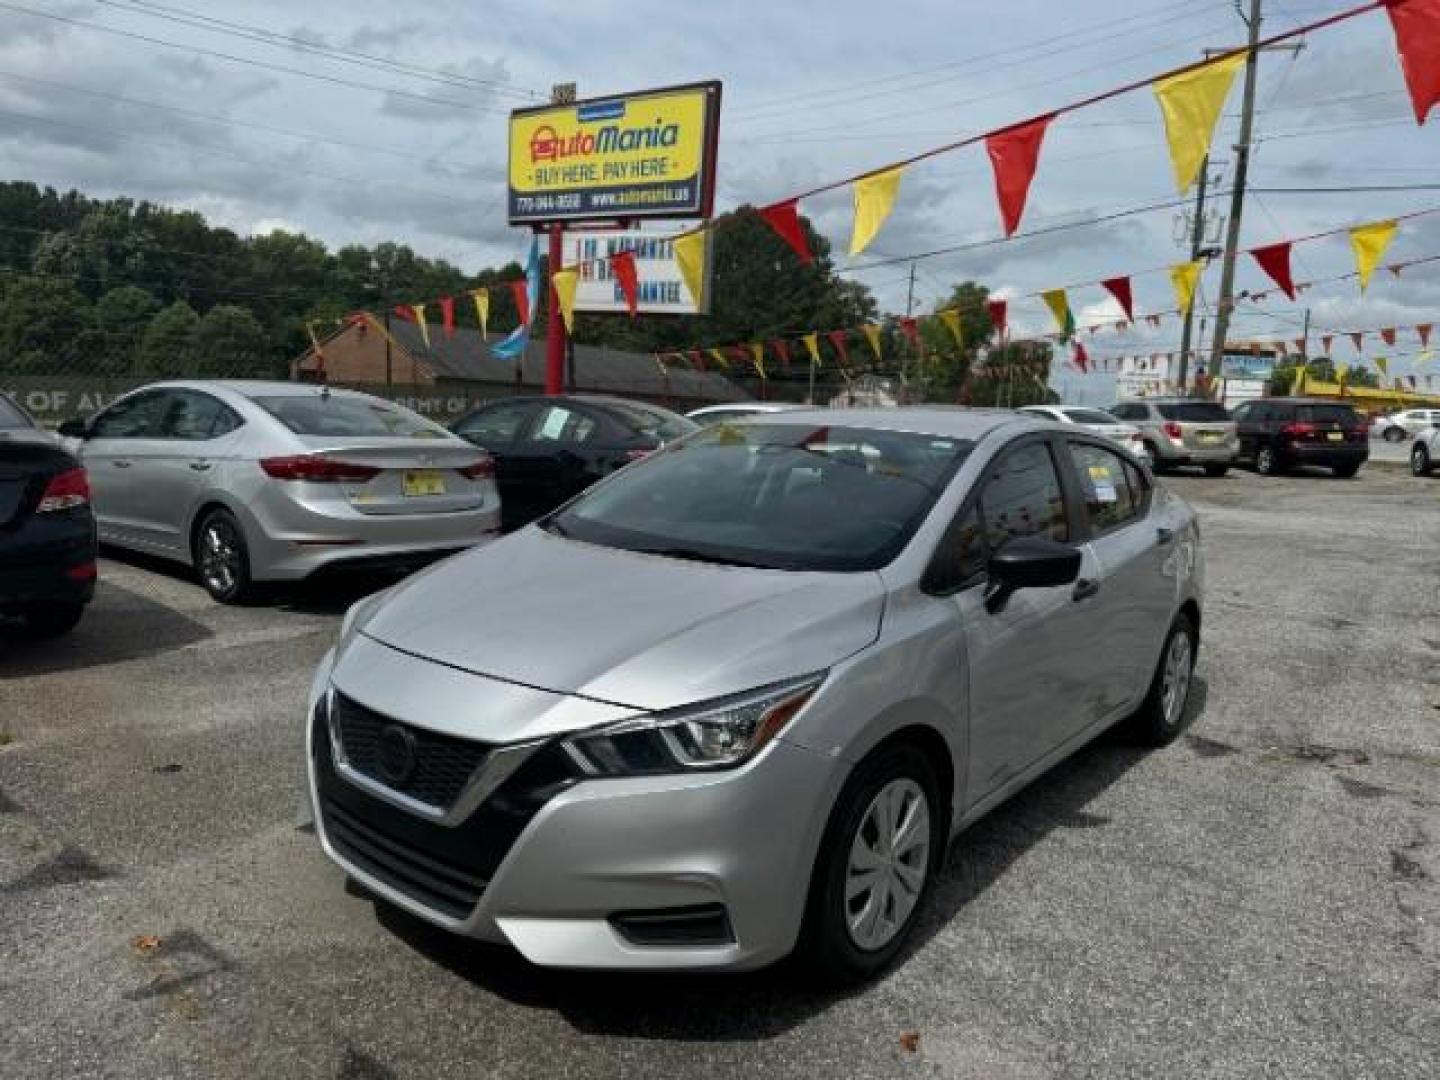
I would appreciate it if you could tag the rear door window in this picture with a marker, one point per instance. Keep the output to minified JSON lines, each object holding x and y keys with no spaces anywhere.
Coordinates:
{"x":193,"y":417}
{"x":497,"y":426}
{"x":557,"y":424}
{"x":1110,"y":499}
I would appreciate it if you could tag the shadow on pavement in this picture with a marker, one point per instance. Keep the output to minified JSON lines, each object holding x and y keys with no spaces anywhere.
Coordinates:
{"x":765,"y":1004}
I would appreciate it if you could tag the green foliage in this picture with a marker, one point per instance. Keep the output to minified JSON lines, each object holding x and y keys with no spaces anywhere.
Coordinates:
{"x":120,"y":318}
{"x":167,"y":348}
{"x":230,"y":342}
{"x":42,"y":321}
{"x":1321,"y":369}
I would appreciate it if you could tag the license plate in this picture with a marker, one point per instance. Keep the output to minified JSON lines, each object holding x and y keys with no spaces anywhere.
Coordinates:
{"x":1211,"y":436}
{"x":421,"y":482}
{"x":1335,"y":436}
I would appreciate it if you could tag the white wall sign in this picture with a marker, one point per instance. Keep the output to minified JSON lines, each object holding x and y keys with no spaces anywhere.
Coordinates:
{"x":662,"y":290}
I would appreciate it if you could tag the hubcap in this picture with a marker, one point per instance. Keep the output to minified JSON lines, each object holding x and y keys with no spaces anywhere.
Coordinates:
{"x":1417,"y":460}
{"x":219,"y":557}
{"x":1263,"y":461}
{"x":1176,"y":685}
{"x":889,"y":861}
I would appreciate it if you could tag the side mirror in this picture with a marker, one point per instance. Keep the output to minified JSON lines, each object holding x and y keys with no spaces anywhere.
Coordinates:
{"x":73,"y":429}
{"x":1032,"y":562}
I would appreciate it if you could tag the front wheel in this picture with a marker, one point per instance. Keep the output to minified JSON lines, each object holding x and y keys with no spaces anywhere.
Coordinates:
{"x":1420,"y":463}
{"x":1162,"y":715}
{"x":222,"y":558}
{"x":875,"y":867}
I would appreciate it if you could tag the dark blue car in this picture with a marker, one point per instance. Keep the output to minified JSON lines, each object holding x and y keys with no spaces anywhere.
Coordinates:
{"x":47,"y":530}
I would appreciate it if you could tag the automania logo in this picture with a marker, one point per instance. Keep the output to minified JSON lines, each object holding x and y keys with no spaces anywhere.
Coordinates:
{"x":546,"y":144}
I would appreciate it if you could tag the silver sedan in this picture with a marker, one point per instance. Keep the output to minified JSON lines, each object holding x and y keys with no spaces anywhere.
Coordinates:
{"x":251,"y":482}
{"x":736,"y":699}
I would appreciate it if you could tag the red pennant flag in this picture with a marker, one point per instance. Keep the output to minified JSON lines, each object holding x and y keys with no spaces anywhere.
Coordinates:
{"x":837,"y":340}
{"x":1424,"y":331}
{"x":784,"y":218}
{"x":1119,"y":287}
{"x":997,"y":309}
{"x":781,"y":349}
{"x":1357,"y":337}
{"x":739,"y":354}
{"x":697,"y":357}
{"x":405,"y":311}
{"x":1388,"y":335}
{"x":910,"y":327}
{"x":1274,"y":259}
{"x":447,"y":316}
{"x":622,"y":265}
{"x":1326,"y":340}
{"x":522,"y":301}
{"x":1081,"y":358}
{"x":1417,"y":39}
{"x":1014,"y":153}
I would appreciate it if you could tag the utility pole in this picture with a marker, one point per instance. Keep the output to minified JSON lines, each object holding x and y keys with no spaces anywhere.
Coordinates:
{"x":1197,"y":236}
{"x":555,"y":352}
{"x":1305,"y":339}
{"x":1237,"y":194}
{"x":909,"y":307}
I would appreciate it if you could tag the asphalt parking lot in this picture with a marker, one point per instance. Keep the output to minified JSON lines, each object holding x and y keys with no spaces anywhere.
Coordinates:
{"x":1262,"y":898}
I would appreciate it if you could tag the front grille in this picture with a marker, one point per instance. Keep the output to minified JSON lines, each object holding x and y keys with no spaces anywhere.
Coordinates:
{"x":433,"y":883}
{"x":441,"y":766}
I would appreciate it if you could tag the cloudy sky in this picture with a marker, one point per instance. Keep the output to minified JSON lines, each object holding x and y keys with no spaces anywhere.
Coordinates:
{"x":199,"y":104}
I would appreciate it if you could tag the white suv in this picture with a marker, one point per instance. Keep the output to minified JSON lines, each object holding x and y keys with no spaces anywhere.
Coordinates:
{"x":1425,"y":452}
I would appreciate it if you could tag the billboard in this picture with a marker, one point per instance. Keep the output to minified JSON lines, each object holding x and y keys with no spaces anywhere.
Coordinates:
{"x":661,"y":289}
{"x":1247,"y":365}
{"x":648,"y":154}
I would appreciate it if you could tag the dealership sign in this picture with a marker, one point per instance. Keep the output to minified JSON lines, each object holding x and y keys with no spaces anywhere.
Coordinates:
{"x":649,"y":154}
{"x":661,"y":289}
{"x":1235,"y":365}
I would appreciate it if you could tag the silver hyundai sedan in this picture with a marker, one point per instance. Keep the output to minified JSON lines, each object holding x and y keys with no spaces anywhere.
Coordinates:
{"x":735,"y":700}
{"x":251,"y":482}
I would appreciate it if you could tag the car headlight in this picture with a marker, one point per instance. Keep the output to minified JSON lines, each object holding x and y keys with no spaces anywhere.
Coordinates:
{"x":716,"y":734}
{"x":360,"y":610}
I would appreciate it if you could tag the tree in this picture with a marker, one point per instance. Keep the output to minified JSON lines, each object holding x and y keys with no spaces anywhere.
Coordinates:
{"x":948,"y":363}
{"x":42,"y":320}
{"x":229,"y":342}
{"x":167,"y":348}
{"x":121,"y":316}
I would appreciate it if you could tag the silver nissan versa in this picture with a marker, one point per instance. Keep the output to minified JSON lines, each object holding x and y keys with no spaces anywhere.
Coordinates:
{"x":735,"y":700}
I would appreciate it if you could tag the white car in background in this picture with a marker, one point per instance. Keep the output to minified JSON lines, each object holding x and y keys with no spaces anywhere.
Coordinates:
{"x":1096,"y":420}
{"x":1425,"y":450}
{"x":1400,"y":426}
{"x":739,"y":410}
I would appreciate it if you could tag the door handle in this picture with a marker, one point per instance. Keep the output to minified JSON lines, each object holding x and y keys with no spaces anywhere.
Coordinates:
{"x":1084,"y":589}
{"x":200,"y":466}
{"x":1164,"y":536}
{"x":121,"y":464}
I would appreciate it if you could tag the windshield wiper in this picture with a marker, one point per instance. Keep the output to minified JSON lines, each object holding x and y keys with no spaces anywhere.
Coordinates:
{"x":700,"y":556}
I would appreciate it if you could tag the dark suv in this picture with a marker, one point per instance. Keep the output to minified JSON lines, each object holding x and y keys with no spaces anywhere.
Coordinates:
{"x":1277,"y":434}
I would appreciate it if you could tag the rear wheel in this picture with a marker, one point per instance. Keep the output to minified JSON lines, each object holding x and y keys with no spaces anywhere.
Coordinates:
{"x":53,"y":621}
{"x":1216,"y":470}
{"x":222,"y":558}
{"x":1162,"y":715}
{"x":1420,"y":463}
{"x":1266,"y":463}
{"x":875,"y":866}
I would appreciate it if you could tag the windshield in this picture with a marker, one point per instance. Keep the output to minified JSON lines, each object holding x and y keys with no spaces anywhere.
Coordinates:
{"x":789,"y":497}
{"x":1327,"y":414}
{"x":656,"y":423}
{"x":346,"y":417}
{"x":11,"y":417}
{"x":1202,"y":412}
{"x":1089,"y":416}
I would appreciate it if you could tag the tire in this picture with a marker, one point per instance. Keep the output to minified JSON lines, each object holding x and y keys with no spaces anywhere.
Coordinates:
{"x":222,"y":558}
{"x":1420,"y":463}
{"x":1394,"y":435}
{"x":1266,"y":463}
{"x":1162,"y":715}
{"x":53,"y":621}
{"x":1216,"y":471}
{"x":1345,"y":472}
{"x":830,"y":950}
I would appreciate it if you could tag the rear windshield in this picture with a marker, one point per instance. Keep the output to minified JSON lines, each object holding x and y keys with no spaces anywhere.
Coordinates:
{"x":1089,"y":416}
{"x":11,"y":416}
{"x":1194,"y":412}
{"x":654,"y":422}
{"x":348,"y":417}
{"x":1327,"y":414}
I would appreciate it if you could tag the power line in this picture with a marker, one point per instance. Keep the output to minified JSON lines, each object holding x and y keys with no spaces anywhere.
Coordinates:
{"x":350,"y":56}
{"x":250,"y":62}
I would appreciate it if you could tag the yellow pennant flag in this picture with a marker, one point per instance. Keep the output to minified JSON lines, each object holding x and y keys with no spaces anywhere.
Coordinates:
{"x":1059,"y":305}
{"x":812,"y":346}
{"x":872,"y":335}
{"x":565,"y":282}
{"x":1185,"y":277}
{"x":419,"y":310}
{"x":757,"y":356}
{"x":690,"y":257}
{"x":1383,"y":365}
{"x":1370,"y":242}
{"x":951,"y":318}
{"x":1341,"y":370}
{"x":719,"y":358}
{"x":874,"y":199}
{"x":1191,"y":103}
{"x":482,"y":311}
{"x":1298,"y":387}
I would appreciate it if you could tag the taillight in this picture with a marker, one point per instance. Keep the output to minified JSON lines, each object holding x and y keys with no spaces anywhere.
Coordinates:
{"x":317,"y":469}
{"x":636,"y":455}
{"x":1173,"y":430}
{"x":484,"y":469}
{"x":1298,"y":428}
{"x":65,"y":491}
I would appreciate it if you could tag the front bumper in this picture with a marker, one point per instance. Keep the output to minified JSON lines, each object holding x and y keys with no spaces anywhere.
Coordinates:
{"x":553,"y":863}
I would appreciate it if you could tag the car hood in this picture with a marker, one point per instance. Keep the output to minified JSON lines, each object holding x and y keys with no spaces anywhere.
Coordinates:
{"x":644,"y":631}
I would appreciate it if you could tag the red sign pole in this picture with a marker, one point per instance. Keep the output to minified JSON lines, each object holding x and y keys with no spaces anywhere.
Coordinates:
{"x":555,"y":325}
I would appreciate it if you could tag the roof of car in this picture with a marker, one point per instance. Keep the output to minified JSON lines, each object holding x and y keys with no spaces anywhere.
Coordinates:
{"x":949,"y":421}
{"x":254,"y":387}
{"x":584,"y":399}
